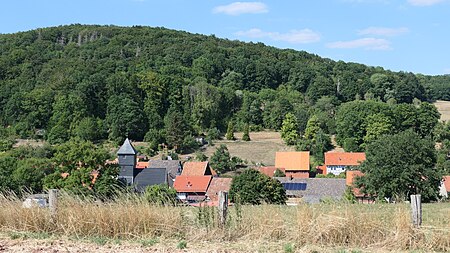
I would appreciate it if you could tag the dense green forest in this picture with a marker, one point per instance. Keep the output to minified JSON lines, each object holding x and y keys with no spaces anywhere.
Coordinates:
{"x":99,"y":82}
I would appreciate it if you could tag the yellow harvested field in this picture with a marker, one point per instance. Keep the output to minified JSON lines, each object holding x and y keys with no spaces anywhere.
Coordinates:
{"x":132,"y":224}
{"x":261,"y":149}
{"x":444,"y":109}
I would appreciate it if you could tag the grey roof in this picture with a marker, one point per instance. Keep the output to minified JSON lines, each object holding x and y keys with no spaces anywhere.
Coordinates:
{"x":147,"y":177}
{"x":173,"y":168}
{"x":317,"y":189}
{"x":126,"y":148}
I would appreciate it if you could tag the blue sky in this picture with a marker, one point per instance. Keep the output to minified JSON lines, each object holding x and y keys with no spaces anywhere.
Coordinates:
{"x":401,"y":35}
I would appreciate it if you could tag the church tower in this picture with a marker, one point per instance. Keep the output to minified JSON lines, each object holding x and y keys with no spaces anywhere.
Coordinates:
{"x":127,"y":162}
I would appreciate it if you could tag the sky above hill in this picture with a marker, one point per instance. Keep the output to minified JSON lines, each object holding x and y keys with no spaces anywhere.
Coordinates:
{"x":400,"y":35}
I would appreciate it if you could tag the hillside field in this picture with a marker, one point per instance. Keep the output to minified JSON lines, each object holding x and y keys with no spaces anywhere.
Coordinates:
{"x":260,"y":150}
{"x":444,"y":109}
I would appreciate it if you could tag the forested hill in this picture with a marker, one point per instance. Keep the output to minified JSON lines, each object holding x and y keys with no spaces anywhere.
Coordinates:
{"x":99,"y":82}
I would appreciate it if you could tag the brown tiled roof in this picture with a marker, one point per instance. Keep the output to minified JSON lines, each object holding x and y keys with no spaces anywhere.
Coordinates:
{"x":297,"y":174}
{"x":292,"y":161}
{"x":269,"y":170}
{"x":344,"y":158}
{"x":141,"y":165}
{"x":192,"y":183}
{"x":194,"y":169}
{"x":218,"y":184}
{"x":447,"y":183}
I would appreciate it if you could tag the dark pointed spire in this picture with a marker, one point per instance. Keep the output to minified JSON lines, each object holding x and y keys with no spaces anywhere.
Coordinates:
{"x":127,"y":148}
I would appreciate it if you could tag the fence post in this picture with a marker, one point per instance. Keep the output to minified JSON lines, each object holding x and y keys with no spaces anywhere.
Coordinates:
{"x":53,"y":203}
{"x":416,"y":206}
{"x":223,"y":207}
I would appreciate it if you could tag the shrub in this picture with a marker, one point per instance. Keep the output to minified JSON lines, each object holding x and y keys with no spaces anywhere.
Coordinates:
{"x":161,"y":195}
{"x":246,"y":136}
{"x":230,"y":131}
{"x":279,"y":173}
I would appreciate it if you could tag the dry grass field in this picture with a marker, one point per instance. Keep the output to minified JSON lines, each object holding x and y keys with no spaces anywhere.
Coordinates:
{"x":444,"y":108}
{"x":261,"y":149}
{"x":107,"y":227}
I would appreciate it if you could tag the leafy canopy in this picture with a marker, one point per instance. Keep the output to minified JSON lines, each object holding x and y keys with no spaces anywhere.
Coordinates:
{"x":253,"y":187}
{"x":399,"y":165}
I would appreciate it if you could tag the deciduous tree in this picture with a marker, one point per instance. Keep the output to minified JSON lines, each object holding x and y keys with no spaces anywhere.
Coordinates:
{"x":253,"y":187}
{"x":399,"y":165}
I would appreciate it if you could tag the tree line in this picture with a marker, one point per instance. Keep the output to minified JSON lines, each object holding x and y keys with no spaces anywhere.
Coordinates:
{"x":159,"y":85}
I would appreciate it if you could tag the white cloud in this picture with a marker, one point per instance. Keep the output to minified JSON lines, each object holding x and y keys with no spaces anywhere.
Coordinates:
{"x":365,"y":43}
{"x":383,"y":31}
{"x":446,"y":71}
{"x":294,"y":36}
{"x":238,"y":8}
{"x":367,"y":1}
{"x":424,"y":2}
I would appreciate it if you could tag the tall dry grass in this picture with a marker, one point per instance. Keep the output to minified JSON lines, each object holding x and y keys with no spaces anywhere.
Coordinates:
{"x":335,"y":225}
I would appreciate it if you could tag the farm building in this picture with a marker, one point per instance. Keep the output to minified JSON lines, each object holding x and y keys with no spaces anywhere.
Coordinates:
{"x":313,"y":190}
{"x":192,"y":188}
{"x":295,"y":164}
{"x":338,"y":162}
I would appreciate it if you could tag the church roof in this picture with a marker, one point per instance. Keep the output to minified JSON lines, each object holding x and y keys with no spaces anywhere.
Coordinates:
{"x":126,"y":148}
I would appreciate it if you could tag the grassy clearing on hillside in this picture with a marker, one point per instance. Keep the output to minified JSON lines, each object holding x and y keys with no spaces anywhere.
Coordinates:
{"x":444,"y":109}
{"x":261,"y":149}
{"x":337,"y":225}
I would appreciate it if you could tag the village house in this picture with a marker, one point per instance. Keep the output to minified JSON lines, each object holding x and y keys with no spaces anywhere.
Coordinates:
{"x":197,"y":169}
{"x":217,"y":184}
{"x":173,"y":168}
{"x":337,"y":162}
{"x":295,"y":164}
{"x":444,"y":190}
{"x":192,"y":189}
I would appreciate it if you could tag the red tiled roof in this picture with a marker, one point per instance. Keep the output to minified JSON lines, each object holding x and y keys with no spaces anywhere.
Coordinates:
{"x":344,"y":158}
{"x":292,"y":161}
{"x":218,"y":184}
{"x":297,"y":174}
{"x":141,"y":165}
{"x":194,"y":168}
{"x":192,"y":183}
{"x":447,"y":183}
{"x":269,"y":170}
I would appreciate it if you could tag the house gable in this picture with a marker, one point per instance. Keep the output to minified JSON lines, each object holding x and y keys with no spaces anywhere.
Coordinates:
{"x":196,"y":169}
{"x":192,"y":184}
{"x":292,"y":161}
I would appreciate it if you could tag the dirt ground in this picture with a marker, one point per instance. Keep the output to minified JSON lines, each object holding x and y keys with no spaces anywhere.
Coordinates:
{"x":260,"y":150}
{"x":53,"y":245}
{"x":443,"y":108}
